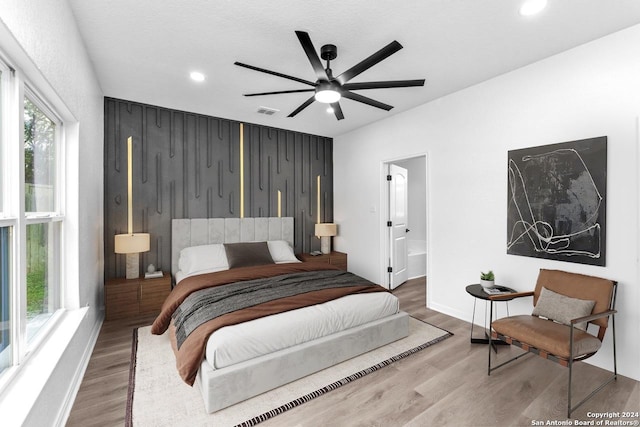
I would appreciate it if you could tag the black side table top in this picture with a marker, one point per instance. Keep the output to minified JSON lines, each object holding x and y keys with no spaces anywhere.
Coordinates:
{"x":477,"y":291}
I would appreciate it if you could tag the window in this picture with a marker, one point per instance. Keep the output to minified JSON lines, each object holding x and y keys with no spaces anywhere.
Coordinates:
{"x":42,"y":229}
{"x":31,"y":218}
{"x":1,"y":132}
{"x":39,"y":159}
{"x":5,"y":319}
{"x":6,"y":324}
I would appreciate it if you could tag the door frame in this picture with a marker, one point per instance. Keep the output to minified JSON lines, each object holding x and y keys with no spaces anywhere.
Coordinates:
{"x":385,"y":241}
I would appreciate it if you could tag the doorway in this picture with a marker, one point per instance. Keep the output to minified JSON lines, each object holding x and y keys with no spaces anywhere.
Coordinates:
{"x":404,"y":204}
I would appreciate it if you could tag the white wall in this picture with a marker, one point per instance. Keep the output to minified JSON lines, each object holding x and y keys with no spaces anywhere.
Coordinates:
{"x":45,"y":38}
{"x":589,"y":91}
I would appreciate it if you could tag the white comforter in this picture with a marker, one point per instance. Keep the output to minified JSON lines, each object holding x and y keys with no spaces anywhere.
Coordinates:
{"x":237,"y":343}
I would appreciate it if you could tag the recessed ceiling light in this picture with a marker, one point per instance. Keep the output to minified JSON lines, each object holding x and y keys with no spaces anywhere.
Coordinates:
{"x":532,"y":7}
{"x":196,"y":76}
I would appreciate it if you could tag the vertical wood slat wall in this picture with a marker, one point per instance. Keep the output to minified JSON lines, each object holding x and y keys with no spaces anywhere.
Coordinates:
{"x":187,"y":165}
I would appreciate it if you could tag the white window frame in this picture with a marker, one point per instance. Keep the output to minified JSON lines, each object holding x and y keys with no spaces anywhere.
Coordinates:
{"x":15,"y":87}
{"x":54,"y":218}
{"x":10,"y":202}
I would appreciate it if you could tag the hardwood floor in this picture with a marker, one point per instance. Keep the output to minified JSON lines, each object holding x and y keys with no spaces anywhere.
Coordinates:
{"x":446,"y":384}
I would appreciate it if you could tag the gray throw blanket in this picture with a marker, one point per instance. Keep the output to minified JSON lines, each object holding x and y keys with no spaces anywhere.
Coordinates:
{"x":210,"y":303}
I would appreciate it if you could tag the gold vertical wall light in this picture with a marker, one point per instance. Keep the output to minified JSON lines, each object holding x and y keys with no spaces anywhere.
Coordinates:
{"x":318,"y":205}
{"x":279,"y":204}
{"x":130,"y":185}
{"x":241,"y":170}
{"x":131,"y":243}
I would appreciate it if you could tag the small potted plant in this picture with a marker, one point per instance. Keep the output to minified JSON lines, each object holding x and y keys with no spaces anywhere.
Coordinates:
{"x":487,"y":279}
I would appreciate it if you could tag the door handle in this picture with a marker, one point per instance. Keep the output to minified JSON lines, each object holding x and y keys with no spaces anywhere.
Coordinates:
{"x":407,"y":230}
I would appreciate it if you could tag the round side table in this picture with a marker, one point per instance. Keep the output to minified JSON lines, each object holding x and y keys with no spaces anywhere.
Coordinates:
{"x":478,"y":292}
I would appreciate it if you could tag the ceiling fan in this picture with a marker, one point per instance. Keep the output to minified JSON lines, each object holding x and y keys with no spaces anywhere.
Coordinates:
{"x":329,"y":89}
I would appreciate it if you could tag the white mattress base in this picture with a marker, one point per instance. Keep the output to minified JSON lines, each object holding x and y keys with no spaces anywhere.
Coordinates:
{"x":224,"y":387}
{"x":245,"y":341}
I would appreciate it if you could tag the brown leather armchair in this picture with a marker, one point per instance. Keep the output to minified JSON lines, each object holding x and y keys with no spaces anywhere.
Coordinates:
{"x":564,"y":304}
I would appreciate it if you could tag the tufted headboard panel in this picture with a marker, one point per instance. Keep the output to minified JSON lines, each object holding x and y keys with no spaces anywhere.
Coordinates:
{"x":203,"y":231}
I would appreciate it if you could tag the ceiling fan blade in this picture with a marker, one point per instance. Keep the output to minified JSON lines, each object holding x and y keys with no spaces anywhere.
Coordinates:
{"x":383,"y":85}
{"x":307,"y":45}
{"x":279,"y":92}
{"x":337,"y":110}
{"x":369,"y":62}
{"x":365,"y":100}
{"x":304,"y":105}
{"x":274,"y":73}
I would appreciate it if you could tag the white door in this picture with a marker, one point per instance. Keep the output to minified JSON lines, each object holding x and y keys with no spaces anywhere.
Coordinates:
{"x":398,"y":230}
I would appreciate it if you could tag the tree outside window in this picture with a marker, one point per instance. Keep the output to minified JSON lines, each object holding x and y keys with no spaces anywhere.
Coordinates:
{"x":39,"y":159}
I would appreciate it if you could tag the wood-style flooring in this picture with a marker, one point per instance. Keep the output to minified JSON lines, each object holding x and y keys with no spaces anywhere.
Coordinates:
{"x":446,"y":384}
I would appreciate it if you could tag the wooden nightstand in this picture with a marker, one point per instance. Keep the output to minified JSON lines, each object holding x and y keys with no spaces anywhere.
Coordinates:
{"x":338,"y":259}
{"x":130,"y":297}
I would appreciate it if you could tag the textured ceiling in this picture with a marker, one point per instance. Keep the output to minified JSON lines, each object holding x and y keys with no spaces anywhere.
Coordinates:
{"x":143,"y":50}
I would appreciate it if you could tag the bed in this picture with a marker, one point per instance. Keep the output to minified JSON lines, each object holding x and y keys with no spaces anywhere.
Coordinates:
{"x":248,"y":353}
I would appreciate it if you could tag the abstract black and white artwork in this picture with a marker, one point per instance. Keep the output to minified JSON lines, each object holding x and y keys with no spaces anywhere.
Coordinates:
{"x":557,"y":201}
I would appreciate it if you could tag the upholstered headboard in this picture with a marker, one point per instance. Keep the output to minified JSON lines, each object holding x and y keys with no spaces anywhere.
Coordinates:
{"x":203,"y":231}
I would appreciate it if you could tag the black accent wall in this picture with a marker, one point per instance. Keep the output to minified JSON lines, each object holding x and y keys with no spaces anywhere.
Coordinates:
{"x":187,"y":165}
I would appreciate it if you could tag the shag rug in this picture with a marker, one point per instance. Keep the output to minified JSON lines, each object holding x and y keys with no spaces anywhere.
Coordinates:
{"x":158,"y":397}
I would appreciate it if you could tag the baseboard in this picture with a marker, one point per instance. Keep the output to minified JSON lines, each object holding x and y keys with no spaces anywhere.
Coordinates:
{"x":65,"y":410}
{"x":444,"y":309}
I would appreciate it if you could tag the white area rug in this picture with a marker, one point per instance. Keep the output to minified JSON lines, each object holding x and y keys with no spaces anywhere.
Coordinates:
{"x":158,"y":397}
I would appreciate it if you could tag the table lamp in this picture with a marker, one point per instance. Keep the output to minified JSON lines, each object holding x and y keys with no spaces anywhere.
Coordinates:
{"x":325,"y":231}
{"x":131,"y":243}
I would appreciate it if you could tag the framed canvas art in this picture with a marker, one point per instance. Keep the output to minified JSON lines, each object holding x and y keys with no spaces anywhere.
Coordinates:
{"x":556,"y":203}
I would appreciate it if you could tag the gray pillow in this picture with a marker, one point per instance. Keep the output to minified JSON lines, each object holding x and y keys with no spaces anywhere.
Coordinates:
{"x":562,"y":308}
{"x":247,"y":254}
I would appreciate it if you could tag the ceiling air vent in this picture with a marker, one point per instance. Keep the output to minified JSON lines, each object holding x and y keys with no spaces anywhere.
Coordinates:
{"x":268,"y":111}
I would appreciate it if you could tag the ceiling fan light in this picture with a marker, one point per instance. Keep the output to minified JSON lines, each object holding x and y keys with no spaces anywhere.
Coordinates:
{"x":327,"y":96}
{"x":326,"y":93}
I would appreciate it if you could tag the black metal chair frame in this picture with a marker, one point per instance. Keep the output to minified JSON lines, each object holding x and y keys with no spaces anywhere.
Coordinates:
{"x":562,"y":361}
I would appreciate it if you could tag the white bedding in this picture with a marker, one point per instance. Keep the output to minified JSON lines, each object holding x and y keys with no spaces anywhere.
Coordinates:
{"x":237,"y":343}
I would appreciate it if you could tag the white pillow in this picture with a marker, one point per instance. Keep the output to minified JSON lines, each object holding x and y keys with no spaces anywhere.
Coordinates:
{"x":281,"y":252}
{"x":204,"y":257}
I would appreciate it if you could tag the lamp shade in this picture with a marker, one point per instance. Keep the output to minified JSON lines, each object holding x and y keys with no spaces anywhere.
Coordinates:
{"x":326,"y":229}
{"x":131,"y":243}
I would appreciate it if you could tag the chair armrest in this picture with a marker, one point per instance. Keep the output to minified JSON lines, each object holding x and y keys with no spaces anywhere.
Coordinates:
{"x":510,"y":296}
{"x":593,"y":316}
